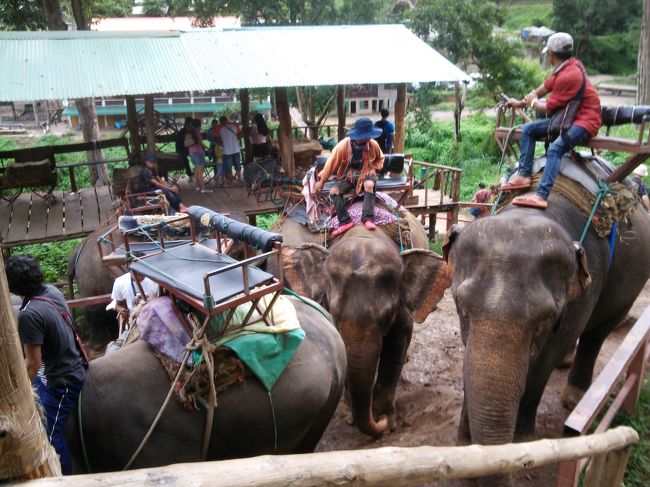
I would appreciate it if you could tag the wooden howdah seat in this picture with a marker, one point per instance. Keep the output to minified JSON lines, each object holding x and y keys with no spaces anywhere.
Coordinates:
{"x":508,"y":136}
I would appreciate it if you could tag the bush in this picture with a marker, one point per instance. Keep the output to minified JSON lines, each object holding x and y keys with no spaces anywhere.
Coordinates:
{"x":613,"y":54}
{"x":52,"y":257}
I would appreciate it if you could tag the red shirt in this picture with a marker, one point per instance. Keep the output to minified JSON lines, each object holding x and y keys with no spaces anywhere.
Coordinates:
{"x":564,"y":85}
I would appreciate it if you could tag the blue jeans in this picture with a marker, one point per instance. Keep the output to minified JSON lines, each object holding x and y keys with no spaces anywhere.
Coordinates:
{"x":58,"y":403}
{"x":560,"y":146}
{"x":230,"y":160}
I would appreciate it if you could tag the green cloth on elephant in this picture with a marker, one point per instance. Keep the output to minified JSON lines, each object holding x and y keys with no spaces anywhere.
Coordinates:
{"x":265,"y":349}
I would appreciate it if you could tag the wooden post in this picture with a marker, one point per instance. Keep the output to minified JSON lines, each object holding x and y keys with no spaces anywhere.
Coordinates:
{"x":284,"y":131}
{"x":150,"y":124}
{"x":400,"y":113}
{"x":132,"y":123}
{"x":340,"y":109}
{"x":607,"y":468}
{"x":25,"y":452}
{"x":245,"y":103}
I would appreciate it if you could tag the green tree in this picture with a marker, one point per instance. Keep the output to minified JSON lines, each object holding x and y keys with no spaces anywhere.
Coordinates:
{"x":604,"y":31}
{"x":21,"y":15}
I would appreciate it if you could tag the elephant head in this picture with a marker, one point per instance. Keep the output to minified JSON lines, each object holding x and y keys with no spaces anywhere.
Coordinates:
{"x":512,"y":280}
{"x":373,"y":293}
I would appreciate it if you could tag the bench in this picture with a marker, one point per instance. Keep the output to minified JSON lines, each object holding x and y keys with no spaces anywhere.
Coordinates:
{"x":617,"y":89}
{"x":34,"y":169}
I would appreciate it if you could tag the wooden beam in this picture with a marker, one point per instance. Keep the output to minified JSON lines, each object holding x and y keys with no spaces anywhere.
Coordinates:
{"x":372,"y":467}
{"x":25,"y":452}
{"x":284,"y":131}
{"x":245,"y":104}
{"x":400,"y":113}
{"x":132,"y":124}
{"x":150,"y":124}
{"x":340,"y":110}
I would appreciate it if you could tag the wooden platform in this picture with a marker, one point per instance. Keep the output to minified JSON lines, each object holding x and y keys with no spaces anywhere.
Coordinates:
{"x":31,"y":219}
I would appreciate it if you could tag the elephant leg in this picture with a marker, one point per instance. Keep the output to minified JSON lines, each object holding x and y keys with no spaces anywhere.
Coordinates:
{"x":589,"y":346}
{"x":393,"y":355}
{"x":464,"y":434}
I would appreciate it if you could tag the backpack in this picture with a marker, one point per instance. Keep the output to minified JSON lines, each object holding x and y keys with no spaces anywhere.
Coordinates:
{"x":381,"y":140}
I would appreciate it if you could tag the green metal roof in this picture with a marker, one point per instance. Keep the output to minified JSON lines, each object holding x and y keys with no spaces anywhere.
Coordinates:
{"x":77,"y":64}
{"x":170,"y":108}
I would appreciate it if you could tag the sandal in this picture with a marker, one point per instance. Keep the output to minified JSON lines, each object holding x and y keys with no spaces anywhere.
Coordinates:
{"x":342,"y":229}
{"x":513,"y":186}
{"x":530,"y":202}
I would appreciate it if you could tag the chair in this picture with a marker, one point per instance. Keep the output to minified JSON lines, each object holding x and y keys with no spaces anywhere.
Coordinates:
{"x":30,"y":170}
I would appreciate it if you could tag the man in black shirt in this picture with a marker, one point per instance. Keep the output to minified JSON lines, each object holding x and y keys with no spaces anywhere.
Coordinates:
{"x":47,"y":335}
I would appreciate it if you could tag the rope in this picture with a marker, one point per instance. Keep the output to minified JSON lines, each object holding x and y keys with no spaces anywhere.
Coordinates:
{"x":603,"y":190}
{"x":307,"y":302}
{"x":190,"y":348}
{"x":275,"y":424}
{"x":81,"y":434}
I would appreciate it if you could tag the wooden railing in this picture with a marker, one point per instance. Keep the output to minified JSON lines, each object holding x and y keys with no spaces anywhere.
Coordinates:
{"x":625,"y":367}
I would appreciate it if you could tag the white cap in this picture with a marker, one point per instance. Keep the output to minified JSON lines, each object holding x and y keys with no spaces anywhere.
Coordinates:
{"x":641,"y":170}
{"x":559,"y":42}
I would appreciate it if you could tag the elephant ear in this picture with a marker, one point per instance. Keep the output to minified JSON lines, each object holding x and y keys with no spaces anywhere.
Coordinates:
{"x":304,"y":271}
{"x":450,"y":237}
{"x":424,"y":281}
{"x":582,"y":279}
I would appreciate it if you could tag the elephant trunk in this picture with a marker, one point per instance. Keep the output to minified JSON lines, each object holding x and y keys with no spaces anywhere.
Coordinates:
{"x":496,"y":365}
{"x":363,"y":353}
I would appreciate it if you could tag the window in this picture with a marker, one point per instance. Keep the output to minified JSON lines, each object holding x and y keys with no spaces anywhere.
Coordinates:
{"x":363,"y":105}
{"x":353,"y":107}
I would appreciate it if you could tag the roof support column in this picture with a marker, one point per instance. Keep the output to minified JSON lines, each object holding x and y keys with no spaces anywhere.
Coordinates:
{"x":245,"y":104}
{"x":132,"y":123}
{"x":400,"y":112}
{"x":284,"y":131}
{"x":340,"y":110}
{"x":149,"y":124}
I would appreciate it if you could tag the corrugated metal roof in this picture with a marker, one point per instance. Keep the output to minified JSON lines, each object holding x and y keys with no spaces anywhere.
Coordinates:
{"x":76,"y":64}
{"x":169,"y":108}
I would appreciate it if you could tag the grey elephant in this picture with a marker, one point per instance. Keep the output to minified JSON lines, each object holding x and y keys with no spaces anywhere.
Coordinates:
{"x":374,"y":293}
{"x":525,"y":292}
{"x":124,"y":391}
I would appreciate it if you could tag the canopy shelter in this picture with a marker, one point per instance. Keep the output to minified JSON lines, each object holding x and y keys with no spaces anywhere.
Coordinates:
{"x":78,"y":64}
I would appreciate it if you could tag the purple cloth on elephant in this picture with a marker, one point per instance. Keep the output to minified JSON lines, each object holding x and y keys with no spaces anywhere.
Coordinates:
{"x":161,"y":327}
{"x":382,"y":215}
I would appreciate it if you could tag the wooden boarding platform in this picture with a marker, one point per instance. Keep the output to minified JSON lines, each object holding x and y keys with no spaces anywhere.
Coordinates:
{"x":31,"y":219}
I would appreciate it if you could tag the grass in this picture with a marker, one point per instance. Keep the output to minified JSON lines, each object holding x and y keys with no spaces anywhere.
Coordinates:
{"x":522,"y":14}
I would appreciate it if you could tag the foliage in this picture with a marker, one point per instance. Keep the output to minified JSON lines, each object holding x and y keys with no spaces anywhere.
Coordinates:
{"x":614,"y":53}
{"x":155,"y":8}
{"x":527,"y":14}
{"x":109,"y":8}
{"x":423,"y":98}
{"x":267,"y":221}
{"x":637,"y":472}
{"x":21,"y":15}
{"x":52,"y":257}
{"x":584,"y":19}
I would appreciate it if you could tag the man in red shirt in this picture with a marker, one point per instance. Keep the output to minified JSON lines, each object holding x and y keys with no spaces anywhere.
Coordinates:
{"x":563,"y":85}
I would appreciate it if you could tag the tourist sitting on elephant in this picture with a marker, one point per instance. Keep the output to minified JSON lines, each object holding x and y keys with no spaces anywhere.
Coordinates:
{"x":126,"y":295}
{"x":567,"y":83}
{"x":149,"y":180}
{"x":48,"y":337}
{"x":355,"y":162}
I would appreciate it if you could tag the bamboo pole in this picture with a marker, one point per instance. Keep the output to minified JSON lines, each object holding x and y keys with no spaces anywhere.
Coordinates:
{"x":389,"y":466}
{"x":284,"y":131}
{"x":340,"y":110}
{"x":150,"y":124}
{"x":400,"y":114}
{"x":25,"y":452}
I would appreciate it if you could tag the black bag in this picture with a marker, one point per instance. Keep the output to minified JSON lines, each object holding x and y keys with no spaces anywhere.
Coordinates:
{"x":563,"y":118}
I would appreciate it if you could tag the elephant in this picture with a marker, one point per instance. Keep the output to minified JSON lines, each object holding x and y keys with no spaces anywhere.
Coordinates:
{"x":374,"y":293}
{"x":526,"y":292}
{"x":124,"y":390}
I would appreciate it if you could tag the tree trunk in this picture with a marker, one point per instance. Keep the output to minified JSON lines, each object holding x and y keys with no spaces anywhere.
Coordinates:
{"x":150,"y":124}
{"x":26,"y":452}
{"x":458,"y":110}
{"x":340,"y":109}
{"x":284,"y":131}
{"x":643,"y":76}
{"x":400,"y":113}
{"x":245,"y":104}
{"x":90,"y":131}
{"x":134,"y":130}
{"x":53,"y":15}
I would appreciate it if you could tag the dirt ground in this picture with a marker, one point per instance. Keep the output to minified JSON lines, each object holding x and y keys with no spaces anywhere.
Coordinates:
{"x":430,"y":393}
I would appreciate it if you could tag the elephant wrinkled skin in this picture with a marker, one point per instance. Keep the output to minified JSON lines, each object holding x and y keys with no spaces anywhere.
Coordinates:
{"x":374,"y":293}
{"x":124,"y":391}
{"x":525,"y":293}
